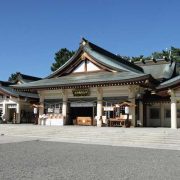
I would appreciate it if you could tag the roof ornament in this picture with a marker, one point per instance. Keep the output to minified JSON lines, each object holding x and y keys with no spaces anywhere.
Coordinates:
{"x":84,"y":41}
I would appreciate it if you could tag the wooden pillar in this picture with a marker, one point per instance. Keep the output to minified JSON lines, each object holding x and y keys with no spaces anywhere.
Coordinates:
{"x":41,"y":108}
{"x":64,"y":107}
{"x":99,"y":106}
{"x":131,"y":98}
{"x":4,"y":111}
{"x":18,"y":113}
{"x":173,"y":109}
{"x":141,"y":115}
{"x":173,"y":112}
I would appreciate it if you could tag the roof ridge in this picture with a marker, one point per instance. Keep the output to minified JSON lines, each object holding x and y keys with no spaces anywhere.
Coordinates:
{"x":110,"y":54}
{"x":28,"y":76}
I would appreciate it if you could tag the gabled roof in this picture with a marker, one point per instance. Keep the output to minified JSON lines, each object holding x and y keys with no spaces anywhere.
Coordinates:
{"x":5,"y":86}
{"x":10,"y":91}
{"x":23,"y":78}
{"x":6,"y":83}
{"x":101,"y":56}
{"x":171,"y":83}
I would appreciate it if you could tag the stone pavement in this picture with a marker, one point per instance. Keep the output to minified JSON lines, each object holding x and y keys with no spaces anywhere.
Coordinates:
{"x":43,"y":160}
{"x":158,"y":138}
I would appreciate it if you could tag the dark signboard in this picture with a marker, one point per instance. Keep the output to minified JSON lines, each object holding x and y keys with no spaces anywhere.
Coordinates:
{"x":81,"y":92}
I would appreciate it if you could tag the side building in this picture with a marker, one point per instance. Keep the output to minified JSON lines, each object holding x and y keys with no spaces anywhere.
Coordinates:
{"x":95,"y":86}
{"x":16,"y":106}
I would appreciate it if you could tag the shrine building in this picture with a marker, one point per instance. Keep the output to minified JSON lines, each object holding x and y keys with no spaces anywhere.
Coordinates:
{"x":91,"y":87}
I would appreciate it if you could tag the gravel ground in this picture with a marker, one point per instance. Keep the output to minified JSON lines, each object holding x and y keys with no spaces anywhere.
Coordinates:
{"x":40,"y":160}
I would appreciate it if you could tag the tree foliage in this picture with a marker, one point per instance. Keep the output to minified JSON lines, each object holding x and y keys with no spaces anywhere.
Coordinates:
{"x":61,"y":57}
{"x":172,"y":54}
{"x":13,"y":77}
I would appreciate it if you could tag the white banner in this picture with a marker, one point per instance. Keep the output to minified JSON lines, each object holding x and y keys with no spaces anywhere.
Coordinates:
{"x":11,"y":106}
{"x":108,"y":108}
{"x":82,"y":104}
{"x":50,"y":110}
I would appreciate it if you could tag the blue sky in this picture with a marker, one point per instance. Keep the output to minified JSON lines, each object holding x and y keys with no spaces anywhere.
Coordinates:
{"x":31,"y":31}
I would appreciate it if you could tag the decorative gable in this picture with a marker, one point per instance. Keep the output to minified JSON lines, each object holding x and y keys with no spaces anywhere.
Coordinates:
{"x":92,"y":67}
{"x":86,"y":66}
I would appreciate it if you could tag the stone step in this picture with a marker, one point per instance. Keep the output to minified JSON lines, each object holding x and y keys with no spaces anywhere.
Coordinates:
{"x":110,"y":140}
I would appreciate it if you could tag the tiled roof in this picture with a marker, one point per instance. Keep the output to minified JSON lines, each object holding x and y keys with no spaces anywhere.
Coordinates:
{"x":12,"y":92}
{"x":26,"y":78}
{"x":174,"y":82}
{"x":6,"y":83}
{"x":103,"y":57}
{"x":84,"y":79}
{"x":160,"y":69}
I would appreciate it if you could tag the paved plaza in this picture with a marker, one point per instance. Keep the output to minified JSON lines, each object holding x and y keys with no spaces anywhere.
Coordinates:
{"x":87,"y":153}
{"x":39,"y":160}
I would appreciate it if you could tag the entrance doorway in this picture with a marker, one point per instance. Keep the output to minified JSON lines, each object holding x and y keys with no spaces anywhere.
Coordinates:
{"x":84,"y":111}
{"x":12,"y":115}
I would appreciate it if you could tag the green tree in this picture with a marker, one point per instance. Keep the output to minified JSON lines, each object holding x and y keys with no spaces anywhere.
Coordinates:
{"x":61,"y":57}
{"x":137,"y":58}
{"x":13,"y":77}
{"x":173,"y":54}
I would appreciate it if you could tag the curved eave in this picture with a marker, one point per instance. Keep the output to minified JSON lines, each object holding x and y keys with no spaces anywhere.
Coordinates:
{"x":145,"y":80}
{"x":8,"y":93}
{"x":169,"y":86}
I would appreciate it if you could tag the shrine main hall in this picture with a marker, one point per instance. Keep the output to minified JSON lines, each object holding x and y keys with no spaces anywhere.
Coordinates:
{"x":95,"y":86}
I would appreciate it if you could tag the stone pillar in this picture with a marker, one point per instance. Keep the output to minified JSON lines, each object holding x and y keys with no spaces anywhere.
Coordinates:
{"x":173,"y":112}
{"x":131,"y":98}
{"x":99,"y":106}
{"x":64,"y":107}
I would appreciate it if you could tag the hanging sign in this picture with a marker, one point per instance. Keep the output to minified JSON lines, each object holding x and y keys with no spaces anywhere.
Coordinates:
{"x":126,"y":110}
{"x":81,"y":92}
{"x":35,"y":110}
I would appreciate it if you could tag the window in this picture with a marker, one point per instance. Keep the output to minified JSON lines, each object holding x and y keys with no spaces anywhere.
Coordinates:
{"x":53,"y":107}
